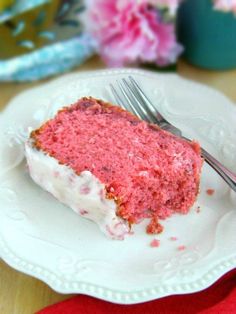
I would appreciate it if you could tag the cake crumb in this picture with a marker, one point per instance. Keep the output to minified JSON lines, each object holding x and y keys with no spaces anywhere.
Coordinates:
{"x":210,"y":192}
{"x":173,"y":238}
{"x":83,"y":212}
{"x":181,"y":248}
{"x":155,"y":243}
{"x":154,"y":227}
{"x":198,"y":209}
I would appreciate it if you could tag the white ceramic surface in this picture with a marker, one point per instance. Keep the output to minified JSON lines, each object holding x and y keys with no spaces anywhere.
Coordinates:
{"x":47,"y":240}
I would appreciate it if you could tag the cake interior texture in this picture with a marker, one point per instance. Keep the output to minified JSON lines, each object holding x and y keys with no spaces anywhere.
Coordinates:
{"x":149,"y":172}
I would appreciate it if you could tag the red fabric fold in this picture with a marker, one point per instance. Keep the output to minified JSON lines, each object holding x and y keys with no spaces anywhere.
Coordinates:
{"x":220,"y":298}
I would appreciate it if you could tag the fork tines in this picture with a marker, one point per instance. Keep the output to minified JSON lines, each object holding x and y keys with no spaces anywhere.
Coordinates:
{"x":129,"y":95}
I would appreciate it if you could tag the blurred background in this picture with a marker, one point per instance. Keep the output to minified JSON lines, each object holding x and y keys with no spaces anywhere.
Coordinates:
{"x":41,"y":38}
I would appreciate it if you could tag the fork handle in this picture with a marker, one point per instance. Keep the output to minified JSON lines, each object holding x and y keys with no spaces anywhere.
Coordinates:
{"x":226,"y":174}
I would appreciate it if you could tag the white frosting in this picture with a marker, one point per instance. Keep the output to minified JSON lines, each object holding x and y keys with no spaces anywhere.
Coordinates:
{"x":84,"y":193}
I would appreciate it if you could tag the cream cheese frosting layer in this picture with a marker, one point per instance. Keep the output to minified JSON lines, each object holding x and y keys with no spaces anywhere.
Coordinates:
{"x":84,"y":193}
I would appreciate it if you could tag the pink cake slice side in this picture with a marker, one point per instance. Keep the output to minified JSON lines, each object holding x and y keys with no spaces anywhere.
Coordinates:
{"x":147,"y":172}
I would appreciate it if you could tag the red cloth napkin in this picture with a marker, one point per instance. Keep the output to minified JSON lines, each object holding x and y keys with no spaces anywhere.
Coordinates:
{"x":220,"y":298}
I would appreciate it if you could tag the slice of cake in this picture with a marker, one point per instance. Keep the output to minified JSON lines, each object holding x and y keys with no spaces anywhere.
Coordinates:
{"x":113,"y":168}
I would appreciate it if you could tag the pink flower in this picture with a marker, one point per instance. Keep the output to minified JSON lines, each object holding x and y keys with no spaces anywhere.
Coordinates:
{"x":130,"y":31}
{"x":225,"y":5}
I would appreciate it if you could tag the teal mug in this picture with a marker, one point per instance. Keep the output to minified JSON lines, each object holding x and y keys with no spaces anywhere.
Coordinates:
{"x":208,"y":36}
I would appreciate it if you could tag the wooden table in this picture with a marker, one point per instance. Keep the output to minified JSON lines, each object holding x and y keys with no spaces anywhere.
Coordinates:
{"x":21,"y":294}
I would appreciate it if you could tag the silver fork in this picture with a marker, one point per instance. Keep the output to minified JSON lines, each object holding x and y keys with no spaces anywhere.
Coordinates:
{"x":130,"y":96}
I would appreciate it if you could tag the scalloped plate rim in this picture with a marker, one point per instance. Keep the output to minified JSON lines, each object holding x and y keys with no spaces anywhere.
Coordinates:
{"x":101,"y":293}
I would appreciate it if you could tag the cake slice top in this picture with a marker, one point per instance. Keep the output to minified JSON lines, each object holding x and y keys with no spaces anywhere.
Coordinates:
{"x":123,"y":152}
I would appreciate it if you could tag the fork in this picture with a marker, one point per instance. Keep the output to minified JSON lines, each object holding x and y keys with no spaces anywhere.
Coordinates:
{"x":131,"y":97}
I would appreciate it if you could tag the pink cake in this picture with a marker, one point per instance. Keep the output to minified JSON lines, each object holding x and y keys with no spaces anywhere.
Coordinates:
{"x":113,"y":168}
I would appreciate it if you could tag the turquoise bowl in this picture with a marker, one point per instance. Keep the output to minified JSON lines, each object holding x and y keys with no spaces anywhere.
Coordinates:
{"x":208,"y":36}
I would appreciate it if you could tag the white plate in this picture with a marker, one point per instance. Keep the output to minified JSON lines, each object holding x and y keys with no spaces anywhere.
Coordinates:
{"x":45,"y":239}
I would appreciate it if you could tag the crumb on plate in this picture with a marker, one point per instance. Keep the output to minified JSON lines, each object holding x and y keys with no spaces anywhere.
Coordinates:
{"x":181,"y":247}
{"x":198,"y":209}
{"x":154,"y":227}
{"x":210,"y":192}
{"x":173,"y":238}
{"x":155,"y":243}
